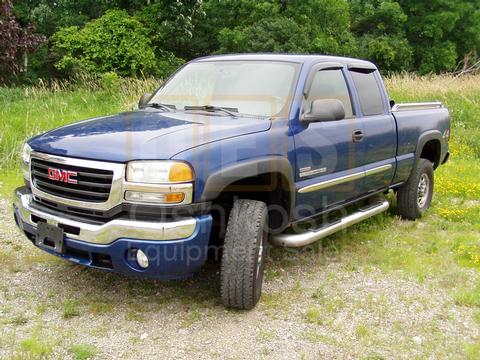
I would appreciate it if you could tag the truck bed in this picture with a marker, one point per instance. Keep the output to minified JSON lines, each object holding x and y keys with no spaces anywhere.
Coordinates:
{"x":416,"y":121}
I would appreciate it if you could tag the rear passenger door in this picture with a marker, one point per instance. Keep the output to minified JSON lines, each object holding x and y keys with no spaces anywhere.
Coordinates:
{"x":379,"y":129}
{"x":329,"y":164}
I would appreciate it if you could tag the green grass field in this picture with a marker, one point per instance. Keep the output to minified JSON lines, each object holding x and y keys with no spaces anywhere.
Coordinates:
{"x":440,"y":251}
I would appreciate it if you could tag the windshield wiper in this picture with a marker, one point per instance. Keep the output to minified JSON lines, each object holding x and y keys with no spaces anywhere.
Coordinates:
{"x":166,"y":107}
{"x":227,"y":110}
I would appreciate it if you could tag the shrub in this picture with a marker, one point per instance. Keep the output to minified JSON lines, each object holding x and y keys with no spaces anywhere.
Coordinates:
{"x":110,"y":81}
{"x":390,"y":53}
{"x":115,"y":42}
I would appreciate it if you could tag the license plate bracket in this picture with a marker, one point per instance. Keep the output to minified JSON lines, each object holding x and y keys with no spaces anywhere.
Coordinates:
{"x":50,"y":237}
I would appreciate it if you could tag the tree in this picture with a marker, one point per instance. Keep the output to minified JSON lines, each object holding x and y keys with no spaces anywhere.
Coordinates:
{"x":307,"y":26}
{"x":16,"y":41}
{"x":116,"y":42}
{"x":51,"y":15}
{"x":398,"y":35}
{"x":170,"y":25}
{"x":441,"y":32}
{"x":378,"y":26}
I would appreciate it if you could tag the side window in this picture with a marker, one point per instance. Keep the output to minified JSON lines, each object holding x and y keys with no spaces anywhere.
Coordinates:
{"x":330,"y":84}
{"x":368,"y":92}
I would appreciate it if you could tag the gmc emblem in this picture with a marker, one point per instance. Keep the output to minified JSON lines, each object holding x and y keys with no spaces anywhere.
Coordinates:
{"x":62,"y":175}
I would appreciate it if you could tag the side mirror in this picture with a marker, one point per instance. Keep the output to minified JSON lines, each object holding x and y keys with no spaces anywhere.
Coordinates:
{"x":144,"y":99}
{"x":325,"y":110}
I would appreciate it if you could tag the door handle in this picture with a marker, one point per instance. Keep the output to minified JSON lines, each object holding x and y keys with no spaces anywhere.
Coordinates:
{"x":357,"y":136}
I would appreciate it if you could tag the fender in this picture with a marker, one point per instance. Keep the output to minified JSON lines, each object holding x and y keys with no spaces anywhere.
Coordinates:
{"x":220,"y":179}
{"x":423,"y":139}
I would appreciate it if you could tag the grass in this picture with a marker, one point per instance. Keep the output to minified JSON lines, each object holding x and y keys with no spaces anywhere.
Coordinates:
{"x":362,"y":331}
{"x":36,"y":346}
{"x":469,"y":296}
{"x":473,"y":351}
{"x":70,"y":309}
{"x":315,"y":315}
{"x":83,"y":351}
{"x":266,"y":335}
{"x":18,"y":320}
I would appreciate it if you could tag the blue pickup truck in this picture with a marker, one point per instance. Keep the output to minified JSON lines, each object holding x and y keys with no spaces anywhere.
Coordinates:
{"x":231,"y":154}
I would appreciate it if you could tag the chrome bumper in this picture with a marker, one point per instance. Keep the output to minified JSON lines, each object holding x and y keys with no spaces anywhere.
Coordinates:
{"x":110,"y":231}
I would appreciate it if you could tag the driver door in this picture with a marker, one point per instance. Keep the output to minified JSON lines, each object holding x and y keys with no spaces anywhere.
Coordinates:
{"x":329,"y":169}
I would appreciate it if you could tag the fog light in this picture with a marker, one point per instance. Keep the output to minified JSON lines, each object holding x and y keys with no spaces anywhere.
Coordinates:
{"x":148,"y":197}
{"x":142,"y":259}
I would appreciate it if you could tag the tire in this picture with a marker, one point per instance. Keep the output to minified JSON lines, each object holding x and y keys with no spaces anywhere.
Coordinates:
{"x":244,"y":252}
{"x":415,"y":196}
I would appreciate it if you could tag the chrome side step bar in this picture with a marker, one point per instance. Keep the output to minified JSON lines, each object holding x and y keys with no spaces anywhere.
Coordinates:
{"x":306,"y":238}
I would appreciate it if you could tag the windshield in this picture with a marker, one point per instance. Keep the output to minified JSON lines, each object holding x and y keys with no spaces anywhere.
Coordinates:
{"x":257,"y":88}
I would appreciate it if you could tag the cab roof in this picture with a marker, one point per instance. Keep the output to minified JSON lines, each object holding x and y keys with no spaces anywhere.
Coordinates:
{"x":298,"y":58}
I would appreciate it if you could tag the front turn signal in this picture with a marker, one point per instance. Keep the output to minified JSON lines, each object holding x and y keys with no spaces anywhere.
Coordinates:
{"x":180,"y":172}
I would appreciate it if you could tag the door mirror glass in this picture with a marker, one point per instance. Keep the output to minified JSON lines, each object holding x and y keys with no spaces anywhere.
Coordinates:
{"x":144,"y":100}
{"x":325,"y":110}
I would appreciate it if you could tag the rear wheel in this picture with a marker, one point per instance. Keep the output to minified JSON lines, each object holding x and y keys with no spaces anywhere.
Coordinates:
{"x":415,"y":196}
{"x":243,"y":258}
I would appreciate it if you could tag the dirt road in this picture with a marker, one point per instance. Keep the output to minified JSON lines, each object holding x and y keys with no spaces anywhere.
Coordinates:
{"x":316,"y":304}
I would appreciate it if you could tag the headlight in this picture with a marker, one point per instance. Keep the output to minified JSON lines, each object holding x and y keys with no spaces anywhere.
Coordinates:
{"x":156,"y":172}
{"x":26,"y":161}
{"x":26,"y":153}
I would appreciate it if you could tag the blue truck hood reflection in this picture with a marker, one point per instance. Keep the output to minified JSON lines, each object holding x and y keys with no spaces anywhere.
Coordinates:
{"x":143,"y":134}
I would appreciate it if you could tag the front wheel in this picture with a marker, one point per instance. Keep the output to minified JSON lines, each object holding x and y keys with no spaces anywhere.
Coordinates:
{"x":415,"y":196}
{"x":244,"y":251}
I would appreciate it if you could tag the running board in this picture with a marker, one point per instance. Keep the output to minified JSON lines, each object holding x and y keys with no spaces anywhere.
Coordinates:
{"x":306,"y":238}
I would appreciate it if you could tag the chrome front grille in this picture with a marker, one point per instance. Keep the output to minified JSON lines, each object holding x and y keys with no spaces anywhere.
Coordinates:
{"x":100,"y":185}
{"x":88,"y":184}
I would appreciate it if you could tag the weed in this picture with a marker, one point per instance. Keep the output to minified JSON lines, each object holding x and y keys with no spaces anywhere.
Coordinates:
{"x":473,"y":351}
{"x":191,"y":317}
{"x":70,"y":309}
{"x":266,"y":335}
{"x":315,"y":337}
{"x":476,"y":317}
{"x":362,"y":331}
{"x":18,"y":320}
{"x":36,"y":347}
{"x":315,"y":315}
{"x":468,"y":296}
{"x":98,"y":307}
{"x":83,"y":351}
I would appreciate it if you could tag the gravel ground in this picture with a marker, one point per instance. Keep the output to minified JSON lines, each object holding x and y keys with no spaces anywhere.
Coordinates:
{"x":313,"y":307}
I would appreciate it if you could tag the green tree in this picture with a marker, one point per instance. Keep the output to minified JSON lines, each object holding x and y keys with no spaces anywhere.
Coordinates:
{"x":280,"y":34}
{"x":116,"y":42}
{"x":441,"y":31}
{"x":156,"y":36}
{"x":51,"y":15}
{"x":379,"y":28}
{"x":326,"y":22}
{"x":222,"y":16}
{"x":170,"y":25}
{"x":307,"y":26}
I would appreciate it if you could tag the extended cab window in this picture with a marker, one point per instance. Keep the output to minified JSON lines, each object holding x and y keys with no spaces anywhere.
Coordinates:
{"x":368,"y":92}
{"x":330,"y":84}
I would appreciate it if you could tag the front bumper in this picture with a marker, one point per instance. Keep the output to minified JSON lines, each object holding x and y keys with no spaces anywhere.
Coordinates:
{"x":175,"y":248}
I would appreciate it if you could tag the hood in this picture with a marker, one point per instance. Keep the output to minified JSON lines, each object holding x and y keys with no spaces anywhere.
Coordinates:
{"x":143,"y":135}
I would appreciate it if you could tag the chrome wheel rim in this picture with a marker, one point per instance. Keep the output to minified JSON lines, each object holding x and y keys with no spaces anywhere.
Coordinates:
{"x":423,"y":190}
